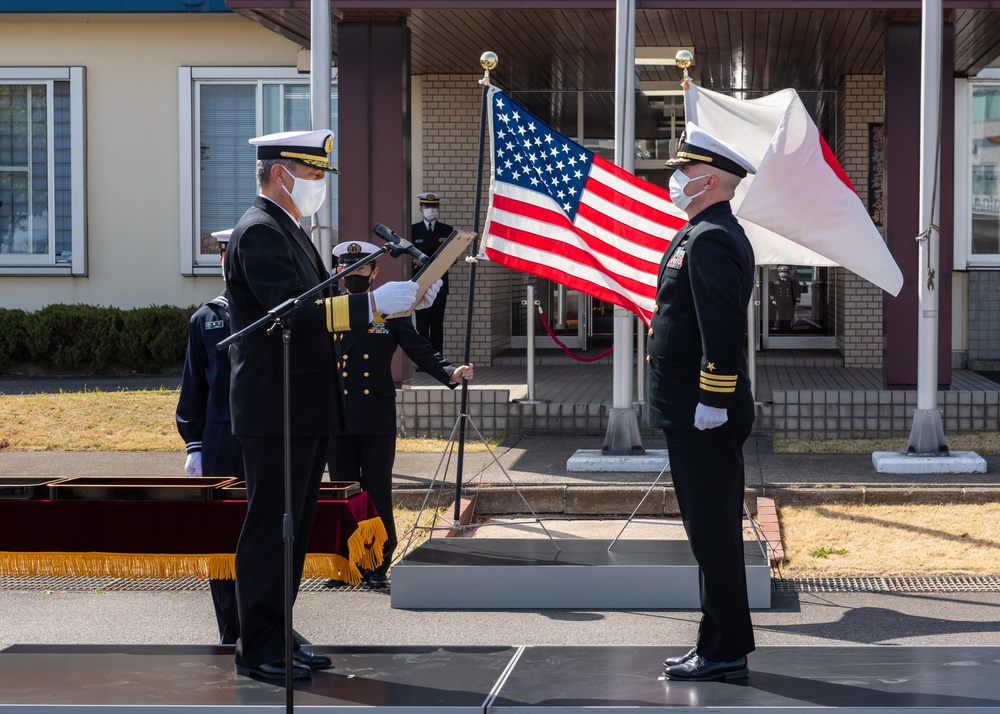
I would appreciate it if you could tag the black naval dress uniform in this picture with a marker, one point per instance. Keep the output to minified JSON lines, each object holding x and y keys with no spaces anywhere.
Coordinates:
{"x":270,"y":260}
{"x":204,"y":423}
{"x":784,"y":295}
{"x":430,"y":321}
{"x":367,"y":451}
{"x":695,"y":349}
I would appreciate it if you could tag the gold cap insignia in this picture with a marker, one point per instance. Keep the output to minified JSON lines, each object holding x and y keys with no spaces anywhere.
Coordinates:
{"x":354,"y":249}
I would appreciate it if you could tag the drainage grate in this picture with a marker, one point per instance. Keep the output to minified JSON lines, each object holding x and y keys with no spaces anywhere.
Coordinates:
{"x":89,"y":585}
{"x":887,"y":584}
{"x":890,"y":584}
{"x":74,"y":584}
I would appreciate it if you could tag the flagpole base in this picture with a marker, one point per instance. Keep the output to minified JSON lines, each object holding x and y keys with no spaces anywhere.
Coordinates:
{"x":623,"y":435}
{"x":927,"y":434}
{"x":952,"y":462}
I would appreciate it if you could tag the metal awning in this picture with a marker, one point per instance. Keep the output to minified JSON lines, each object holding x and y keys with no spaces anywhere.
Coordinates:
{"x":757,"y":45}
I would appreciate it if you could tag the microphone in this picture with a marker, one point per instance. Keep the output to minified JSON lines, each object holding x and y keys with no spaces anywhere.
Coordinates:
{"x":387,"y":234}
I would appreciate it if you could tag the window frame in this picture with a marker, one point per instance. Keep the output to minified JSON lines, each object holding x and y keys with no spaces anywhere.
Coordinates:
{"x":46,"y":265}
{"x":964,"y":258}
{"x":189,"y":80}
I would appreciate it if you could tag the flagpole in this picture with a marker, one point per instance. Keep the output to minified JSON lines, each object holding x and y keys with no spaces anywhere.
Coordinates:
{"x":623,"y":435}
{"x":319,"y":111}
{"x":927,"y":432}
{"x":488,"y":61}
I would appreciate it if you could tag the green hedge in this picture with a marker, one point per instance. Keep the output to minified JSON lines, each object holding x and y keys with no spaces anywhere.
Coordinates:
{"x":95,"y":339}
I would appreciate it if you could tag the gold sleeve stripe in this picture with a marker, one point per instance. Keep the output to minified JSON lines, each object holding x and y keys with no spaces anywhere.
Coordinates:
{"x":341,"y":313}
{"x":719,"y":378}
{"x":329,"y":314}
{"x":720,"y":390}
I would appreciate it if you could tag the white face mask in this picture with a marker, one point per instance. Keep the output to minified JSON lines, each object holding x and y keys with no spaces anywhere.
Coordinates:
{"x":677,"y":183}
{"x":430,"y":214}
{"x":307,"y":194}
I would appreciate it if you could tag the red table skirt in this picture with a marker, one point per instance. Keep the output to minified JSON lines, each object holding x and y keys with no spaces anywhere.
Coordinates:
{"x":171,"y":539}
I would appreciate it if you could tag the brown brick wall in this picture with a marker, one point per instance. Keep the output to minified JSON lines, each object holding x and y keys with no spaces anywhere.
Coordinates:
{"x":450,"y":109}
{"x":858,"y":302}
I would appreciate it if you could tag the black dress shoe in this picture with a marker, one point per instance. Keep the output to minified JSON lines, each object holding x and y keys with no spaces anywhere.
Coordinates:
{"x":699,"y":669}
{"x":273,"y":671}
{"x":673,"y":661}
{"x":375,"y":580}
{"x":311,"y":660}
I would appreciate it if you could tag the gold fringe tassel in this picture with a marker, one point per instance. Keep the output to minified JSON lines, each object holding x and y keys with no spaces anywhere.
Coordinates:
{"x":117,"y":565}
{"x":328,"y":565}
{"x":217,"y":566}
{"x":365,"y":544}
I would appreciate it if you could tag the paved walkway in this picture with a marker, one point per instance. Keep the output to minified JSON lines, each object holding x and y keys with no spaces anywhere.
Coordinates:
{"x":534,"y":461}
{"x":363,"y":617}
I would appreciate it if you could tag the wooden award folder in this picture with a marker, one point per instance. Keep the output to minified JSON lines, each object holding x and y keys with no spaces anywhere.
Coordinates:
{"x":443,"y":258}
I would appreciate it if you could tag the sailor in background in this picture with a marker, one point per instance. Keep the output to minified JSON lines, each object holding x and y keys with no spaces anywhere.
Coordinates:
{"x":784,"y":294}
{"x":428,"y":234}
{"x":204,"y":423}
{"x":366,"y":450}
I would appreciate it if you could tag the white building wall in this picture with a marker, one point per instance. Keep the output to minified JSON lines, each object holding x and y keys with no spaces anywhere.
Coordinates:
{"x":132,"y":178}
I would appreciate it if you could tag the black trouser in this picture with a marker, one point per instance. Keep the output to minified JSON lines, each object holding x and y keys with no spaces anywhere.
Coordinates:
{"x":260,"y":589}
{"x":369,"y":460}
{"x":707,"y":471}
{"x":430,"y":323}
{"x":221,"y":455}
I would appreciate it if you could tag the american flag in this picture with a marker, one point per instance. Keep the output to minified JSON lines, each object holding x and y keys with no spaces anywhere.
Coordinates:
{"x":563,"y":213}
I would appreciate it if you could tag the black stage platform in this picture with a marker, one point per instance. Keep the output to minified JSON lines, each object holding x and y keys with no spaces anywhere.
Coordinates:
{"x":56,"y":679}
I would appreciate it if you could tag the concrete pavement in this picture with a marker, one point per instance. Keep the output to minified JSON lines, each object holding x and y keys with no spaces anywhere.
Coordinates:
{"x":537,"y":465}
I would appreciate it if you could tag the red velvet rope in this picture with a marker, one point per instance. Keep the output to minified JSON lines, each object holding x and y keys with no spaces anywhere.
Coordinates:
{"x":545,"y":324}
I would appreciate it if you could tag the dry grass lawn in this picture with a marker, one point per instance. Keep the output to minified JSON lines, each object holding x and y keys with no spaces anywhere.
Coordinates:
{"x":873,"y":540}
{"x":406,"y":517}
{"x":987,"y":442}
{"x":120,"y":421}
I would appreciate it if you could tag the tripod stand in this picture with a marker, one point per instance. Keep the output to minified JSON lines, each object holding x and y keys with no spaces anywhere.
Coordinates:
{"x":746,"y":511}
{"x":456,"y":524}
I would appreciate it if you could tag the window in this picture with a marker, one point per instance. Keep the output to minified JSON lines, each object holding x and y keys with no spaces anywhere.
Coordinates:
{"x":977,"y":171}
{"x":221,"y":109}
{"x":985,"y":165}
{"x":42,"y":212}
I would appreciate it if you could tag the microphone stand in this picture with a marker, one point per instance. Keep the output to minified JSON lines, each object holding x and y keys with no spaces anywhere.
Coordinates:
{"x":277,"y":317}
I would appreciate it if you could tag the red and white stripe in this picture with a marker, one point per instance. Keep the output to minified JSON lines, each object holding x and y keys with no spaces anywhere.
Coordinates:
{"x":612,"y":251}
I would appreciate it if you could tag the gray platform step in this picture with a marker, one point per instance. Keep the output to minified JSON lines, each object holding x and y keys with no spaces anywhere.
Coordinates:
{"x":529,"y":573}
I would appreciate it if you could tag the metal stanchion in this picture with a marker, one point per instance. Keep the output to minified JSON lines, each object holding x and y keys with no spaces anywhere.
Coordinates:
{"x":531,"y":304}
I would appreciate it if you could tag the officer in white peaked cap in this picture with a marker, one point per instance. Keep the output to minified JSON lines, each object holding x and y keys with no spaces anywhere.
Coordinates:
{"x":271,"y":261}
{"x":699,"y":393}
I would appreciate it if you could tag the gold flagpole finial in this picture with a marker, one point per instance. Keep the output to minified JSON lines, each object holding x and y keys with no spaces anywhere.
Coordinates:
{"x":684,"y":59}
{"x":488,"y":60}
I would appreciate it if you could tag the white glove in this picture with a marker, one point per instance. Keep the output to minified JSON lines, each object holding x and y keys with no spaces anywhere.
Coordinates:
{"x":709,"y":417}
{"x":432,"y":292}
{"x":193,"y":464}
{"x":394,"y":297}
